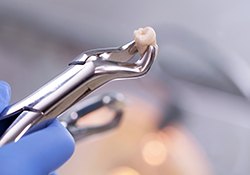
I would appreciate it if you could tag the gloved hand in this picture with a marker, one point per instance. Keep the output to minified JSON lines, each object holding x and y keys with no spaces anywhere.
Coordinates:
{"x":38,"y":153}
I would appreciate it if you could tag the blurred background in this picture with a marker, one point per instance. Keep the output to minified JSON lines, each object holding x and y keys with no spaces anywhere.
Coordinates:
{"x":189,"y":115}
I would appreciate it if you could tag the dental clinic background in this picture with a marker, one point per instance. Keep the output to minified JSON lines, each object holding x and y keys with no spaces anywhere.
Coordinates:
{"x":189,"y":115}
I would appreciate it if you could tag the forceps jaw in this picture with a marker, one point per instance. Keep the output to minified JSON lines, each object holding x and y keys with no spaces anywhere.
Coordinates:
{"x":109,"y":65}
{"x":126,"y":70}
{"x":106,"y":70}
{"x":121,"y":54}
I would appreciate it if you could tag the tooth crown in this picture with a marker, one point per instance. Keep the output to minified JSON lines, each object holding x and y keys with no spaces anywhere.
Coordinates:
{"x":143,"y":38}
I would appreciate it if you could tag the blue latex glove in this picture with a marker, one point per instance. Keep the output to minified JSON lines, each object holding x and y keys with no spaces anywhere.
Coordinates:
{"x":38,"y":153}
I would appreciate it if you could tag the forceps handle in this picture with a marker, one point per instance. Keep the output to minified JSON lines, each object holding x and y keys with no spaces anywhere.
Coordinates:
{"x":113,"y":101}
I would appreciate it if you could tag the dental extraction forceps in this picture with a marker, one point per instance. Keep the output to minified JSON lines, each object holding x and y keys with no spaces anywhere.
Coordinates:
{"x":86,"y":73}
{"x":113,"y":101}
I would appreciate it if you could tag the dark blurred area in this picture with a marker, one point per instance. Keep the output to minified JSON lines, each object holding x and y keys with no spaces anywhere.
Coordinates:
{"x":189,"y":115}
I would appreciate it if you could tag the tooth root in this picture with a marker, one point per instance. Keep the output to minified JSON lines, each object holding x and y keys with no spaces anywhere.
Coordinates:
{"x":143,"y":38}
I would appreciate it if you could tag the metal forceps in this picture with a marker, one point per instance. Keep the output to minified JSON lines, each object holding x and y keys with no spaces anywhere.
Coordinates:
{"x":86,"y":73}
{"x":113,"y":101}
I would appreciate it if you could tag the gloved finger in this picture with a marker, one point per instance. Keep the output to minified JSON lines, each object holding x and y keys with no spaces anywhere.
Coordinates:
{"x":4,"y":95}
{"x":4,"y":101}
{"x":39,"y":126}
{"x":38,"y":153}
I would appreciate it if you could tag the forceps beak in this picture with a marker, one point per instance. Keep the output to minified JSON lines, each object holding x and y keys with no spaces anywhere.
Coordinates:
{"x":121,"y":54}
{"x":86,"y":73}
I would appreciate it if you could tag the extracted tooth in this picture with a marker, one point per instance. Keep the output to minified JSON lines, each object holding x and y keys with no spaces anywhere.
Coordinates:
{"x":143,"y":38}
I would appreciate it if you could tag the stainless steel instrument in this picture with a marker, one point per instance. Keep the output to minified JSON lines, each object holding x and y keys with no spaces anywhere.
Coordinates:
{"x":86,"y":73}
{"x":114,"y":102}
